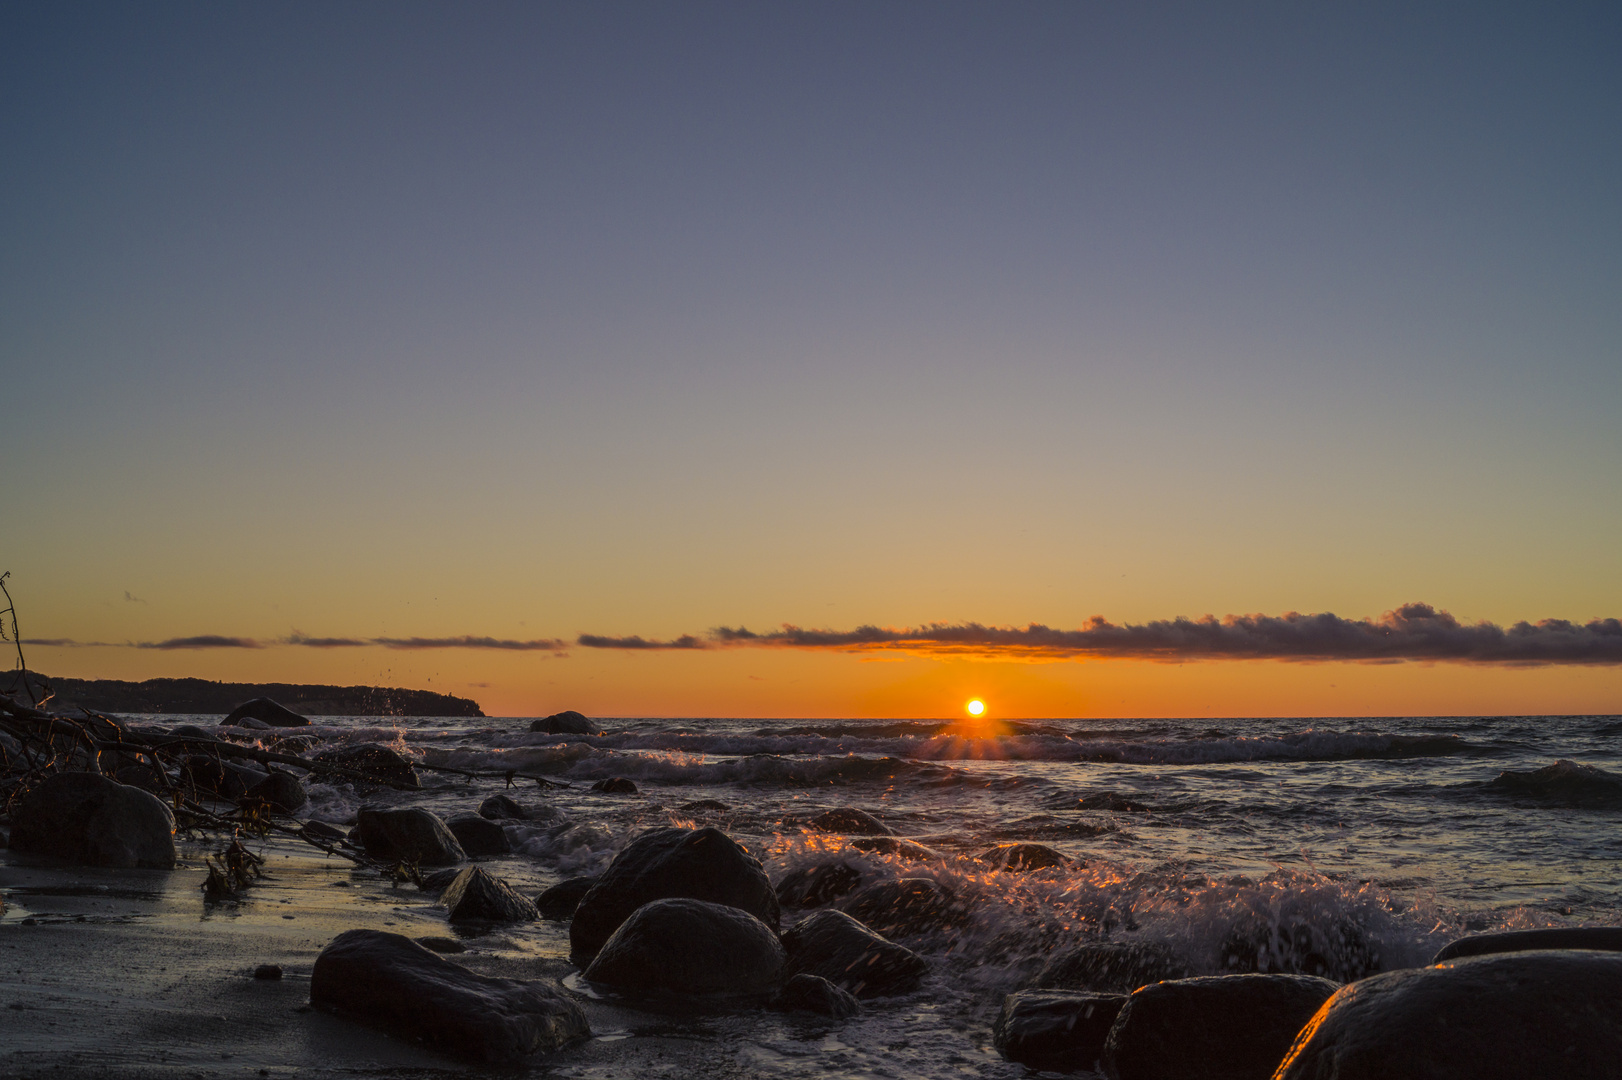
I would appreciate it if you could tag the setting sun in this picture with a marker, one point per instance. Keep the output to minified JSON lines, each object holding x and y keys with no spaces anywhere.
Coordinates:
{"x":976,"y":707}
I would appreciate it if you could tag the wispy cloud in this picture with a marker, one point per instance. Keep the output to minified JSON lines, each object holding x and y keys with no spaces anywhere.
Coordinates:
{"x":70,"y":643}
{"x":598,"y":641}
{"x":202,"y":641}
{"x":299,"y":638}
{"x":1411,"y":632}
{"x":552,"y":645}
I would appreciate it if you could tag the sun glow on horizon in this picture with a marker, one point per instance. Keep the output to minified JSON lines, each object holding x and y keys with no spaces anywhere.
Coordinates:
{"x":976,"y":707}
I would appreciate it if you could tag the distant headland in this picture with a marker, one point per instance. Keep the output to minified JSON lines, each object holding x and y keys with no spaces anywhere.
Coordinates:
{"x":204,"y":696}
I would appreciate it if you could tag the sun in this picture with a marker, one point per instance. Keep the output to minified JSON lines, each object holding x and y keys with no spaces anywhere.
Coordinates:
{"x":976,"y":707}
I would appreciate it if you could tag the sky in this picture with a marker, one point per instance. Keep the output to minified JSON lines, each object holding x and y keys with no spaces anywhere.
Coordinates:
{"x":476,"y":348}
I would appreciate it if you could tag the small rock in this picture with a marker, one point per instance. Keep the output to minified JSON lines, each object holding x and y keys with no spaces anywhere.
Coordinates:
{"x":560,"y":900}
{"x":906,"y":906}
{"x":1225,"y":1027}
{"x":689,"y":947}
{"x":809,"y":993}
{"x":408,"y":835}
{"x":268,"y":971}
{"x":703,"y":805}
{"x":1018,"y":858}
{"x":267,"y":712}
{"x":391,"y":982}
{"x":479,"y":836}
{"x":280,"y":791}
{"x":1521,"y":1015}
{"x":813,"y":886}
{"x":1058,"y":1030}
{"x":848,"y":819}
{"x":1111,"y":967}
{"x":91,"y":820}
{"x":567,"y":722}
{"x":894,"y":846}
{"x":475,"y":896}
{"x":834,"y":946}
{"x":438,"y":881}
{"x":1598,"y":938}
{"x":502,"y":808}
{"x":614,"y":785}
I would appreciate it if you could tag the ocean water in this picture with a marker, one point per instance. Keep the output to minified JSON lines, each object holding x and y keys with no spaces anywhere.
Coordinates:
{"x":1344,"y":846}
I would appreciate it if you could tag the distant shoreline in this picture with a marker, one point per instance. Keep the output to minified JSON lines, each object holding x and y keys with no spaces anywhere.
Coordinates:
{"x":206,"y":697}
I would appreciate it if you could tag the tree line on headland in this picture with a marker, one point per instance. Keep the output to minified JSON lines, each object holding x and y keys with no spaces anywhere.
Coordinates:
{"x":207,"y":697}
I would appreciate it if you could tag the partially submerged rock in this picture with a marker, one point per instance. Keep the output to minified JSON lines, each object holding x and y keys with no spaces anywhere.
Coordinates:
{"x":479,"y":836}
{"x":689,"y":947}
{"x":1509,"y":1015}
{"x":267,"y":712}
{"x":1110,"y":967}
{"x":1598,"y":938}
{"x":502,"y":808}
{"x":834,"y":946}
{"x":1329,"y":948}
{"x":410,"y":835}
{"x":696,"y":864}
{"x":475,"y":896}
{"x":567,"y":722}
{"x":895,"y":847}
{"x":1224,"y":1027}
{"x":906,"y":906}
{"x":377,"y":763}
{"x":704,"y":805}
{"x":848,"y":819}
{"x":390,"y":982}
{"x":560,"y":901}
{"x":808,"y":993}
{"x":93,"y":821}
{"x":614,"y":785}
{"x":206,"y":774}
{"x":1019,"y":858}
{"x":1058,"y":1030}
{"x":813,"y":886}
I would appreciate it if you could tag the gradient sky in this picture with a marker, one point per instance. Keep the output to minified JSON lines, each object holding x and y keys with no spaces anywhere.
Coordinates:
{"x":523,"y":322}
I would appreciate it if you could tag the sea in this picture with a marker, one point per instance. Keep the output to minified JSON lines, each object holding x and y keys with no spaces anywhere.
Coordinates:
{"x":1338,"y":846}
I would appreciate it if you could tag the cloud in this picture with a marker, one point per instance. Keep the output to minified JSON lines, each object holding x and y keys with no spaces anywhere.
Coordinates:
{"x":1411,"y":632}
{"x":552,"y":645}
{"x":300,"y":638}
{"x":202,"y":641}
{"x":129,"y":599}
{"x":598,"y":641}
{"x":69,"y":643}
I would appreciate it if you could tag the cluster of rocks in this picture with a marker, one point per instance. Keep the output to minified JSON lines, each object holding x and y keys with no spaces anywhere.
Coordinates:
{"x":1535,"y":1003}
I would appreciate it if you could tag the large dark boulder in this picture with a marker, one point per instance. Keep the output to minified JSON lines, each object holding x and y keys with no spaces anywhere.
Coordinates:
{"x":696,"y":864}
{"x":1057,"y":1030}
{"x":502,"y":808}
{"x":688,"y":947}
{"x":836,"y":947}
{"x":93,"y":821}
{"x":1599,"y":938}
{"x":1507,"y":1016}
{"x":407,"y":835}
{"x":1335,"y":948}
{"x":389,"y":981}
{"x":1224,"y":1027}
{"x":808,"y":993}
{"x":475,"y":896}
{"x":212,"y":776}
{"x":906,"y":906}
{"x":280,"y":791}
{"x":561,"y":900}
{"x":813,"y":886}
{"x":377,"y":764}
{"x":266,"y":711}
{"x":567,"y":722}
{"x":848,"y":819}
{"x":1117,"y":967}
{"x":1019,"y":858}
{"x":479,"y":836}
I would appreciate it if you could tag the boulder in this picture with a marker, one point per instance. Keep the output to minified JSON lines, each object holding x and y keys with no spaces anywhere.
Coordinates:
{"x":808,"y":993}
{"x":378,"y":763}
{"x":390,"y":982}
{"x":813,"y":886}
{"x":475,"y":896}
{"x":248,"y":723}
{"x":1019,"y":858}
{"x":1598,"y":938}
{"x":91,"y":820}
{"x":438,"y":881}
{"x":479,"y":836}
{"x":567,"y":722}
{"x":1332,"y":949}
{"x":906,"y":906}
{"x":210,"y":775}
{"x":696,"y":864}
{"x":702,"y":805}
{"x":834,"y":946}
{"x":1223,"y":1027}
{"x":266,"y":712}
{"x":1117,"y":967}
{"x":1494,"y":1017}
{"x":407,"y":835}
{"x":614,"y":785}
{"x":502,"y":808}
{"x":560,"y":901}
{"x":1057,"y":1030}
{"x":895,"y":847}
{"x":689,"y":947}
{"x":848,"y":819}
{"x":280,"y":791}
